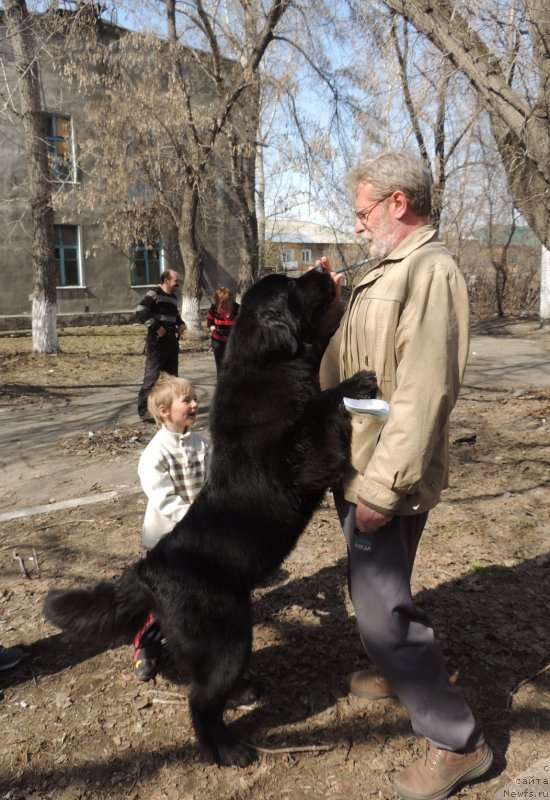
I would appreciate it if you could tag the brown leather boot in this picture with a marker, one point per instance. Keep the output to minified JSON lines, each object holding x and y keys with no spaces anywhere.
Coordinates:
{"x":438,"y":772}
{"x":372,"y":687}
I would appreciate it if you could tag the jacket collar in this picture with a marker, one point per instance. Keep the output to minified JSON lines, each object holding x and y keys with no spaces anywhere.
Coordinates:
{"x":176,"y":438}
{"x":411,"y":243}
{"x":404,"y":249}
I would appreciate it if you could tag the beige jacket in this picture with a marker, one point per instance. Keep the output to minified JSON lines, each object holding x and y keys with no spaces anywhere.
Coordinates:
{"x":408,"y":320}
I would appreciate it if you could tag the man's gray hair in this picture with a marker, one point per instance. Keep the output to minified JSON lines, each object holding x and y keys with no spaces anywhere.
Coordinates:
{"x":396,"y":170}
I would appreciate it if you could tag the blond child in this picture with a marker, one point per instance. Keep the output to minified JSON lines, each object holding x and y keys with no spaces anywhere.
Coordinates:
{"x":172,"y":470}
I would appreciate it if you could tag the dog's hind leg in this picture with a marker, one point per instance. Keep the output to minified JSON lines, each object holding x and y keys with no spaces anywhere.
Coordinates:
{"x":215,"y":647}
{"x":213,"y":681}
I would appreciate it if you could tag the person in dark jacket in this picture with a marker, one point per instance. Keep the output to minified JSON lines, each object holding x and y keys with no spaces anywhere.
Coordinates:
{"x":158,"y":310}
{"x":220,"y":319}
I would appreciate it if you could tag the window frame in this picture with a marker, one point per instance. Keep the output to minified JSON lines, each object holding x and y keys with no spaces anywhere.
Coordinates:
{"x":287,"y":256}
{"x":309,"y":257}
{"x":60,"y":248}
{"x":159,"y":247}
{"x":56,"y":157}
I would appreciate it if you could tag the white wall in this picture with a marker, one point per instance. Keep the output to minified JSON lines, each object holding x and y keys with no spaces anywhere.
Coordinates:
{"x":545,"y":286}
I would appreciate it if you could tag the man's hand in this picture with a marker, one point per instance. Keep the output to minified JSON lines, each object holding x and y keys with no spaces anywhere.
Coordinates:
{"x":161,"y":331}
{"x":337,"y":279}
{"x":367,"y":520}
{"x":181,"y":331}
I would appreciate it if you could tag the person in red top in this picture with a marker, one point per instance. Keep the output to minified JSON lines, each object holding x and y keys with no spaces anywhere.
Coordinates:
{"x":220,"y":319}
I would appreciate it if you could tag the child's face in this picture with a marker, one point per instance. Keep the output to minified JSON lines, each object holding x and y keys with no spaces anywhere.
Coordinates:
{"x":182,"y":414}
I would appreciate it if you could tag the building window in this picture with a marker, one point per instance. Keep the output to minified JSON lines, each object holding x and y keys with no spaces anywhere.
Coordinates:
{"x":287,"y":260}
{"x":306,"y":256}
{"x":60,"y":147}
{"x":147,"y":264}
{"x":67,"y":255}
{"x":287,"y":256}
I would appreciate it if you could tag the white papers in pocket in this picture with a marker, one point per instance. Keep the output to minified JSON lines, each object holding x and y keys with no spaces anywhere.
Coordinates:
{"x":376,"y":408}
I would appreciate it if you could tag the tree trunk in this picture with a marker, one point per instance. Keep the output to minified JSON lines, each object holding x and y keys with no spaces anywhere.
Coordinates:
{"x":189,"y":211}
{"x":529,"y":189}
{"x":500,"y":265}
{"x":44,"y":304}
{"x":243,"y":126}
{"x":243,"y":173}
{"x":192,"y":262}
{"x":260,"y":207}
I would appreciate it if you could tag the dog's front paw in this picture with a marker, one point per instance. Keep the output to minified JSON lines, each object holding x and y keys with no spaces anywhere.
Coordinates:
{"x":361,"y":386}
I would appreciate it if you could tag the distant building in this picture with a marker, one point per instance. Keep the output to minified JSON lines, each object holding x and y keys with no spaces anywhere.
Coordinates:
{"x":96,"y":281}
{"x":293,"y":245}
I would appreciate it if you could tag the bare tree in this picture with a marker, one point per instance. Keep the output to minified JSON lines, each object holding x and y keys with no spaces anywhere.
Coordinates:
{"x":44,"y":303}
{"x":507,"y":61}
{"x":501,"y":226}
{"x":437,"y":141}
{"x":241,"y":31}
{"x":190,"y":129}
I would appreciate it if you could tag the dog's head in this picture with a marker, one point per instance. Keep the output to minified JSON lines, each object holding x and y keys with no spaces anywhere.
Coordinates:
{"x":279,"y":315}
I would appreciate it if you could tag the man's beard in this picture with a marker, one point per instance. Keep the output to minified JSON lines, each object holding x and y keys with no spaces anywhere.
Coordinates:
{"x":379,"y":248}
{"x":382,"y":244}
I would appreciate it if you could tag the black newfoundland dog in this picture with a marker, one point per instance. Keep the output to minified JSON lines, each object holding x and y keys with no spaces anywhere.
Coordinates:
{"x":278,"y":444}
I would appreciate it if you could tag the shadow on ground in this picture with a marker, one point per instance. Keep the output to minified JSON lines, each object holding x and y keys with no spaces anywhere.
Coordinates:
{"x":492,"y":623}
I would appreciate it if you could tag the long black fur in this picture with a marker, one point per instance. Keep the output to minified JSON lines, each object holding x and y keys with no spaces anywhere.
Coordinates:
{"x":278,"y":444}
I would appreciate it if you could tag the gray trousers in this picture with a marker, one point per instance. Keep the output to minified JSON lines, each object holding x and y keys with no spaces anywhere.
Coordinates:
{"x":398,"y":636}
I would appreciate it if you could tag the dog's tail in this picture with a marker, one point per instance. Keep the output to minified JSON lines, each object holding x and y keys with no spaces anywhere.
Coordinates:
{"x":108,"y":611}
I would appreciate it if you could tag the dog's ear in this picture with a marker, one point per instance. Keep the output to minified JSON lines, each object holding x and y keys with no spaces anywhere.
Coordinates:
{"x":262,"y":333}
{"x":275,"y":333}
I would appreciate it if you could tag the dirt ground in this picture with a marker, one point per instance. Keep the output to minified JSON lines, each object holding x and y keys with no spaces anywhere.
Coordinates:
{"x":77,"y":726}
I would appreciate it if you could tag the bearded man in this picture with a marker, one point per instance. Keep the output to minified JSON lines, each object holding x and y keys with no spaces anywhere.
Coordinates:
{"x":408,"y":321}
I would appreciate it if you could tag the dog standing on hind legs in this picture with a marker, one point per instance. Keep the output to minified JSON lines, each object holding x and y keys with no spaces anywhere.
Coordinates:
{"x":278,"y":444}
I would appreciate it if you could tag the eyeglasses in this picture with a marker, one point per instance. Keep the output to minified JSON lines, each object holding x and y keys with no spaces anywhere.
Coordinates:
{"x":364,"y":213}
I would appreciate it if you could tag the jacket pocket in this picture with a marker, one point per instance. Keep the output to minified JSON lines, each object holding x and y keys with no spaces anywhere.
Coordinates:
{"x":365,"y":433}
